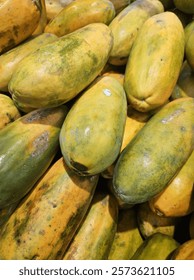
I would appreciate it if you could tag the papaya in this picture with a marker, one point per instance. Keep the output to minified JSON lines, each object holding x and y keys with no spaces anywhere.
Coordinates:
{"x":91,"y":135}
{"x":10,"y":59}
{"x":115,"y":74}
{"x":45,"y":221}
{"x":29,"y":146}
{"x":177,"y":199}
{"x":191,"y":226}
{"x":158,"y":246}
{"x":71,"y":17}
{"x":186,"y":6}
{"x":19,"y":19}
{"x":56,"y":73}
{"x":149,"y":222}
{"x":127,"y":238}
{"x":156,"y":154}
{"x":189,"y":50}
{"x":95,"y":235}
{"x":185,"y":251}
{"x":186,"y":79}
{"x":126,"y":25}
{"x":158,"y":49}
{"x":8,"y":111}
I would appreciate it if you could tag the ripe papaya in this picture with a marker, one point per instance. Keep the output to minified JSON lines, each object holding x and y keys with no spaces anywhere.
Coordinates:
{"x":56,"y":73}
{"x":19,"y":19}
{"x":156,"y":154}
{"x":95,"y":235}
{"x":101,"y":110}
{"x":10,"y":59}
{"x":158,"y":48}
{"x":177,"y":199}
{"x":8,"y":111}
{"x":53,"y":7}
{"x":29,"y":146}
{"x":125,"y":27}
{"x":185,"y":251}
{"x":45,"y":221}
{"x":71,"y":18}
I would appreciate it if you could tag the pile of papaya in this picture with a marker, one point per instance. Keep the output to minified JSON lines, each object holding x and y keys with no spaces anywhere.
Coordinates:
{"x":97,"y":130}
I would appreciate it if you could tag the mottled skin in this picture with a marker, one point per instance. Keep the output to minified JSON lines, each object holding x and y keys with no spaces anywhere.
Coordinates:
{"x":46,"y":220}
{"x":177,"y":199}
{"x":125,"y":27}
{"x":8,"y":111}
{"x":156,"y":153}
{"x":10,"y":59}
{"x":155,"y":62}
{"x":80,"y":13}
{"x":56,"y":73}
{"x":95,"y":235}
{"x":29,"y":145}
{"x":19,"y":19}
{"x":157,"y":246}
{"x":127,"y":238}
{"x":91,"y":135}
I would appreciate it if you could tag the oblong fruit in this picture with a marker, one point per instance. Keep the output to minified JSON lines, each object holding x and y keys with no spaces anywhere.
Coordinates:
{"x":185,"y":251}
{"x":19,"y":19}
{"x":94,"y":238}
{"x":177,"y":199}
{"x":10,"y":59}
{"x":159,"y":46}
{"x":126,"y":25}
{"x":54,"y":74}
{"x":29,"y":145}
{"x":71,"y":17}
{"x":91,"y":135}
{"x":157,"y":246}
{"x":46,"y":220}
{"x":156,"y":153}
{"x":8,"y":111}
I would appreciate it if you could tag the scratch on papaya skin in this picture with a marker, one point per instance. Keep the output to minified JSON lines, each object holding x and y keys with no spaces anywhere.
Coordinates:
{"x":172,"y":116}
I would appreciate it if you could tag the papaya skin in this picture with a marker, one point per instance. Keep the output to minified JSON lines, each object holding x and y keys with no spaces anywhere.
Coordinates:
{"x":8,"y":111}
{"x":126,"y":25}
{"x":55,"y":74}
{"x":19,"y":19}
{"x":155,"y":62}
{"x":71,"y":17}
{"x":177,"y":199}
{"x":185,"y":251}
{"x":35,"y":137}
{"x":189,"y":52}
{"x":142,"y":171}
{"x":186,"y":6}
{"x":45,"y":221}
{"x":10,"y":59}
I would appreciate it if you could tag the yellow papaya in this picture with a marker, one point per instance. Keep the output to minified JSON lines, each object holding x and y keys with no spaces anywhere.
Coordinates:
{"x":8,"y":111}
{"x":155,"y":62}
{"x":10,"y":59}
{"x":19,"y":19}
{"x":95,"y":235}
{"x":71,"y":17}
{"x":44,"y":223}
{"x":54,"y":74}
{"x":177,"y":199}
{"x":98,"y":116}
{"x":156,"y":154}
{"x":125,"y":27}
{"x":43,"y":19}
{"x":53,"y":7}
{"x":185,"y":251}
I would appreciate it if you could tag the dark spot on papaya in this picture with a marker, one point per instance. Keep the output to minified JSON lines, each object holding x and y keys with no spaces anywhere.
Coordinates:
{"x":16,"y":30}
{"x":78,"y":167}
{"x":42,"y":232}
{"x":44,"y":186}
{"x":40,"y":144}
{"x":183,"y":128}
{"x":11,"y":119}
{"x":18,"y":241}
